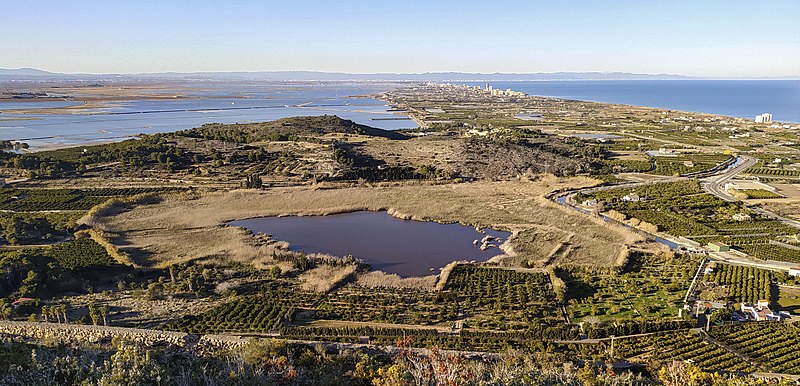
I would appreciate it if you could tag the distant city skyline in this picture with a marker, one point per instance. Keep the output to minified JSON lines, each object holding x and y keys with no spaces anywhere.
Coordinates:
{"x":712,"y":39}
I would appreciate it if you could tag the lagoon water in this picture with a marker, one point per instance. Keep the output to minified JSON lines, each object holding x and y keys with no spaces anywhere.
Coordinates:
{"x":221,"y":103}
{"x":256,"y":102}
{"x":404,"y":247}
{"x":737,"y":98}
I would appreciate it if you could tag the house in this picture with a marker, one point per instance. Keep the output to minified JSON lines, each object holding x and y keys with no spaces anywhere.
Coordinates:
{"x":631,"y":197}
{"x":741,"y":217}
{"x":664,"y":150}
{"x":759,"y":312}
{"x":591,"y":202}
{"x":703,"y":307}
{"x":719,"y":247}
{"x":794,"y":272}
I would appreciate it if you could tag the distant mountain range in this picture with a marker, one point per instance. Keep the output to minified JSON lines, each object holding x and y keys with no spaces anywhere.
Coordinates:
{"x":25,"y":72}
{"x":35,"y":74}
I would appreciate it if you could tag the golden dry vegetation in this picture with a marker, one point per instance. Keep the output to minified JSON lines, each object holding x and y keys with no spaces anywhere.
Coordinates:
{"x":192,"y":226}
{"x":782,"y":207}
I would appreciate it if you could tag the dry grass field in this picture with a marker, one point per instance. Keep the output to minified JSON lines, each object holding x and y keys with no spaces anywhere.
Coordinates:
{"x":185,"y":227}
{"x":782,"y":207}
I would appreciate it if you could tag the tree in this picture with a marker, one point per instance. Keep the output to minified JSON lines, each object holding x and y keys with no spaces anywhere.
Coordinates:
{"x":63,"y":308}
{"x":104,"y":314}
{"x":5,"y":309}
{"x":721,"y":315}
{"x":94,"y":314}
{"x":54,"y":313}
{"x":155,"y":291}
{"x":252,"y":181}
{"x":275,"y":272}
{"x":29,"y":284}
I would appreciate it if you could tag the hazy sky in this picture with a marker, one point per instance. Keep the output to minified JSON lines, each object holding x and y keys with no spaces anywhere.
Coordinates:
{"x":700,"y":38}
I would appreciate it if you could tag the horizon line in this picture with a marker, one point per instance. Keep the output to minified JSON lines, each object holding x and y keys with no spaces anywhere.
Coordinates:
{"x":638,"y":74}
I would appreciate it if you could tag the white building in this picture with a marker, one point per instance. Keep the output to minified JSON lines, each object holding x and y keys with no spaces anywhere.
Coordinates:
{"x":759,"y":311}
{"x":794,"y":272}
{"x":631,"y":197}
{"x":741,"y":217}
{"x":764,"y":118}
{"x":590,"y":203}
{"x":664,"y":150}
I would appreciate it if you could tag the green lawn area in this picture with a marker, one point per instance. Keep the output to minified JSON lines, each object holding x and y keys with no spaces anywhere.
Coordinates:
{"x":789,"y":299}
{"x":650,"y":286}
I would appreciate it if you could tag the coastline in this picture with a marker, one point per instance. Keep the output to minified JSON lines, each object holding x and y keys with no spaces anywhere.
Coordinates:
{"x":100,"y":96}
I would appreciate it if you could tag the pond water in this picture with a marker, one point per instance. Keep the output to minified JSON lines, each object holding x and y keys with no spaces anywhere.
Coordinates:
{"x":407,"y":248}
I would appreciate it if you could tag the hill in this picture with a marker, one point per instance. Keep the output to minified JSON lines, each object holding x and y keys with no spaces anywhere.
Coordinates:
{"x":24,"y":72}
{"x":287,"y":128}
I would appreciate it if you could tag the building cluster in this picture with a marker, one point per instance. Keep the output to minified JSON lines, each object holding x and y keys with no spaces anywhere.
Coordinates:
{"x":498,"y":92}
{"x":477,"y":90}
{"x":759,"y":312}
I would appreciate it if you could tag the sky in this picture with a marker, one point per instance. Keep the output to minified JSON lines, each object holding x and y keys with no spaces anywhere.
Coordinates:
{"x":715,"y":39}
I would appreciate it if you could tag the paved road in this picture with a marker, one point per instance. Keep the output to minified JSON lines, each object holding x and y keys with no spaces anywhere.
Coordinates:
{"x":716,"y":184}
{"x":730,"y":258}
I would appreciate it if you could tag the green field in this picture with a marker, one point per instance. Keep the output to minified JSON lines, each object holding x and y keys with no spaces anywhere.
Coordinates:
{"x":649,"y":286}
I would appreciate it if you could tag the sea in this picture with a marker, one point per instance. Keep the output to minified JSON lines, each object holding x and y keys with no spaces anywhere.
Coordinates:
{"x":737,"y":98}
{"x":254,"y":102}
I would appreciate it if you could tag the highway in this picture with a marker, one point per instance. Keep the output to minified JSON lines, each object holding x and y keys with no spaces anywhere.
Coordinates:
{"x":716,"y":184}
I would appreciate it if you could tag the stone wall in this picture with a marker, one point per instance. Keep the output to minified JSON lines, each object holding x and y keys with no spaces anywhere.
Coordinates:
{"x":66,"y":333}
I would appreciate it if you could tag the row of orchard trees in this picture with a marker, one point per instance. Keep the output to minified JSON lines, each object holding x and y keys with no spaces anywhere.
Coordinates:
{"x":746,"y":284}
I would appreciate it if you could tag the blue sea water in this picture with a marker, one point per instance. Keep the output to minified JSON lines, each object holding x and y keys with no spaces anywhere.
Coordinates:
{"x":737,"y":98}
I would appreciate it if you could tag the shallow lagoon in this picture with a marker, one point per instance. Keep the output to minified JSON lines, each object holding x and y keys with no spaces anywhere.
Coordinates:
{"x":227,"y":103}
{"x":404,"y":247}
